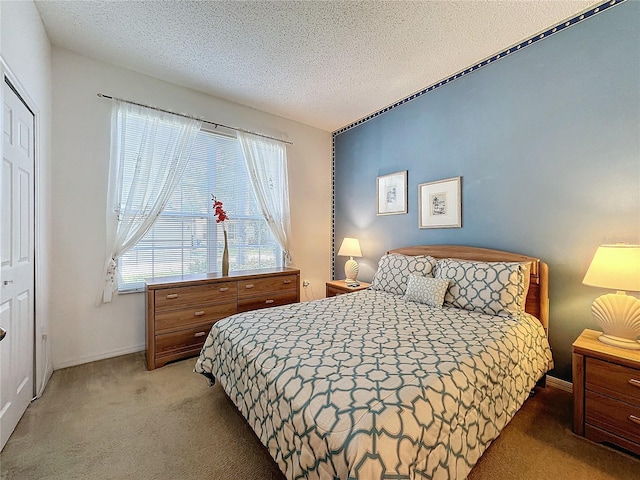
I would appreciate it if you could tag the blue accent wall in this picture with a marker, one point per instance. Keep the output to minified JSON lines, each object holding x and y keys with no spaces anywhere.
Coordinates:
{"x":547,"y":142}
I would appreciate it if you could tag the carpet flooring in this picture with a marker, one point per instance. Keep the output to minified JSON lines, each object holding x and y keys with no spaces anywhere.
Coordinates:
{"x":113,"y":419}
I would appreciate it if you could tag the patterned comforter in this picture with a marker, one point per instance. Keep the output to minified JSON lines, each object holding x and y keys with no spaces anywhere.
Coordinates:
{"x":370,"y":386}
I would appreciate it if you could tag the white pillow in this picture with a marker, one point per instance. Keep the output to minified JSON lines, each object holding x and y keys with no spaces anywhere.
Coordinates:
{"x":394,"y":270}
{"x":427,"y":290}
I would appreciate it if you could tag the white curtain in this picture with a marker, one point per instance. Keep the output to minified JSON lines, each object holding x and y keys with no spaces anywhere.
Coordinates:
{"x":267,"y":165}
{"x":149,"y":153}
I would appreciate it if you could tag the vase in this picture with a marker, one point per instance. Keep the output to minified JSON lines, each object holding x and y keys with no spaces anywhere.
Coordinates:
{"x":225,"y":256}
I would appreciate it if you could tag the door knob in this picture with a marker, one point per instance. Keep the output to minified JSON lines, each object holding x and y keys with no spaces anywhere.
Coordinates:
{"x":3,"y":333}
{"x":8,"y":282}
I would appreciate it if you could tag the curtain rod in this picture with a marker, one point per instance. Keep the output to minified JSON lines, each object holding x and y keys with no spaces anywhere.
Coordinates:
{"x":215,"y":124}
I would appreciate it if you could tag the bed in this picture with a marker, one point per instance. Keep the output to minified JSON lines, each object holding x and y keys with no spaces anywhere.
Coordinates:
{"x":387,"y":383}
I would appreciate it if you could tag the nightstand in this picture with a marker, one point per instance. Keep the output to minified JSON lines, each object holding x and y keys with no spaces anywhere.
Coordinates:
{"x":338,"y":287}
{"x":606,"y":392}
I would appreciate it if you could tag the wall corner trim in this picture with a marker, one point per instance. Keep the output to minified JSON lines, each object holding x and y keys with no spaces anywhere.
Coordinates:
{"x":590,"y":12}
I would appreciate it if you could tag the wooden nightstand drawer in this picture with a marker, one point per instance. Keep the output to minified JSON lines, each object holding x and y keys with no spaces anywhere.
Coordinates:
{"x":334,"y":292}
{"x":340,"y":287}
{"x":252,"y":288}
{"x":605,"y":392}
{"x":617,"y":417}
{"x":265,"y":301}
{"x":614,"y":380}
{"x":180,"y":319}
{"x":180,"y":297}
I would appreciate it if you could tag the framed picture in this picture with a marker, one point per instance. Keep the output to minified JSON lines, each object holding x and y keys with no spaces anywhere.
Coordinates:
{"x":440,"y":204}
{"x":392,"y":193}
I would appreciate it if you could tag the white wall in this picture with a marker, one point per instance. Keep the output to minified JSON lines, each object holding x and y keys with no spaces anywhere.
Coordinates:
{"x":26,"y":51}
{"x":81,"y":331}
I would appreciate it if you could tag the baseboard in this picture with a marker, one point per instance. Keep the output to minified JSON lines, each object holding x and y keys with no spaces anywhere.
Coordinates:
{"x":100,"y":356}
{"x":47,"y":376}
{"x":559,"y":384}
{"x":48,"y":373}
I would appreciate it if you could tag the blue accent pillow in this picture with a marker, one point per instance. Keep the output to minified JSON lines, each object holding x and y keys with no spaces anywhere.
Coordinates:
{"x":394,"y":270}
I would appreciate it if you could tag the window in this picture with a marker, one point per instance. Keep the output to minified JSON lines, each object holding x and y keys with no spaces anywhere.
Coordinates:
{"x":186,"y":238}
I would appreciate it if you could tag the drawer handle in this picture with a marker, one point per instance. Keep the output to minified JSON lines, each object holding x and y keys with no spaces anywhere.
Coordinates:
{"x":224,"y":289}
{"x":200,"y":334}
{"x":635,"y":382}
{"x":286,"y":282}
{"x":269,"y":301}
{"x":199,"y":313}
{"x":249,"y":286}
{"x":172,"y":295}
{"x":634,"y":419}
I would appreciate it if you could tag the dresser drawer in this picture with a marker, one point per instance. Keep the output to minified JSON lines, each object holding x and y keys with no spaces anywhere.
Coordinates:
{"x":181,"y":297}
{"x":265,"y":301}
{"x":613,"y":416}
{"x":179,"y":319}
{"x":281,"y":283}
{"x":190,"y":339}
{"x":614,"y":380}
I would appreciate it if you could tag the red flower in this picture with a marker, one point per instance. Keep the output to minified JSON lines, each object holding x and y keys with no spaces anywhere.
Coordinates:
{"x":217,"y":210}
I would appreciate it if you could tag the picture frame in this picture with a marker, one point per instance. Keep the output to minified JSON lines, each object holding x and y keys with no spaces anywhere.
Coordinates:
{"x":391,"y":192}
{"x":440,"y":203}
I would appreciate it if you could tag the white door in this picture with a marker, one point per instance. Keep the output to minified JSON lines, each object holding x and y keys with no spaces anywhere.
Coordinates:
{"x":17,"y":263}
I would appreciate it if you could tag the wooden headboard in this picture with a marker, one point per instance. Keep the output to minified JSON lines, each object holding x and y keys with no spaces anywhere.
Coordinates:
{"x":538,"y":296}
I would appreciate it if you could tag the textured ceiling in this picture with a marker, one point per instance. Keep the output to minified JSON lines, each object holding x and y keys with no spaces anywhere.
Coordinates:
{"x":322,"y":63}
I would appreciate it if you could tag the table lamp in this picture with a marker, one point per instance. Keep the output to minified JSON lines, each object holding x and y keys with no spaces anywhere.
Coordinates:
{"x":616,"y":267}
{"x":350,"y":248}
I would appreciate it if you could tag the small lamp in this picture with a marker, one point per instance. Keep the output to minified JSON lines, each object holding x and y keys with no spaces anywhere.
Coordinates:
{"x":350,"y":248}
{"x":616,"y":267}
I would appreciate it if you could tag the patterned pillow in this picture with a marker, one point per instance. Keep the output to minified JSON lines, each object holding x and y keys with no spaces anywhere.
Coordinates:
{"x":495,"y":288}
{"x":394,"y":270}
{"x":426,"y":290}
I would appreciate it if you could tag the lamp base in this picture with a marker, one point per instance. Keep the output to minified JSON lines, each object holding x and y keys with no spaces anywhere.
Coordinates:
{"x":619,"y":342}
{"x":618,"y":315}
{"x":351,"y":270}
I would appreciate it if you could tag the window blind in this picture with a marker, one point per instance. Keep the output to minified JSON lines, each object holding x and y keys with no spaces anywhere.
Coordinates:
{"x":186,"y":238}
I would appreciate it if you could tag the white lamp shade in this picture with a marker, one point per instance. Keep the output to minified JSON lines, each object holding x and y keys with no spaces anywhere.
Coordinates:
{"x":350,"y":248}
{"x":616,"y":267}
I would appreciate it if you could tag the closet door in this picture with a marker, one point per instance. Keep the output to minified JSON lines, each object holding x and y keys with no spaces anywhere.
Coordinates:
{"x":17,"y":262}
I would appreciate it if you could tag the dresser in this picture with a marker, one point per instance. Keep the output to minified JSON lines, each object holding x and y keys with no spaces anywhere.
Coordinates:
{"x":181,"y":310}
{"x":606,"y":392}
